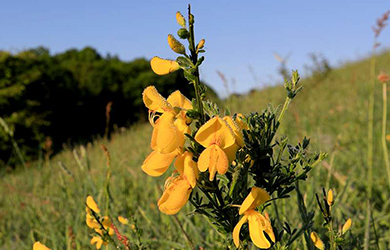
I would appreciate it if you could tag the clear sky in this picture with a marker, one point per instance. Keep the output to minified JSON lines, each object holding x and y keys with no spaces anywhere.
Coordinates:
{"x":241,"y":36}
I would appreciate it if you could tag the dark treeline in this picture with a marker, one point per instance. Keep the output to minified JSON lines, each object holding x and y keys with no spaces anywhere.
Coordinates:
{"x":64,"y":97}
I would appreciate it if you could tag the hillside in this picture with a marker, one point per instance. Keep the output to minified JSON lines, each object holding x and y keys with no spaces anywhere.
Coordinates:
{"x":46,"y":201}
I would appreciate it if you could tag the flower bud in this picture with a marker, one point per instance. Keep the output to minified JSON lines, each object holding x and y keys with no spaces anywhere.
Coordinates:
{"x":200,"y":45}
{"x":317,"y":241}
{"x":346,"y":226}
{"x":330,"y":197}
{"x":175,"y":45}
{"x":162,"y":66}
{"x":183,"y":33}
{"x":180,"y":19}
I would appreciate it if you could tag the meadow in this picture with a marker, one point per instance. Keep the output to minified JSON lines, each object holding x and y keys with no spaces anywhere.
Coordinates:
{"x":46,"y":201}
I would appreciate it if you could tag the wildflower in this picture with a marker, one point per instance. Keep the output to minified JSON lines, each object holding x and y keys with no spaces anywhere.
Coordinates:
{"x":383,"y":78}
{"x":90,"y":219}
{"x":258,"y":223}
{"x":216,"y":136}
{"x":180,"y":19}
{"x":239,"y":143}
{"x":39,"y":246}
{"x":169,"y":129}
{"x":187,"y":168}
{"x":346,"y":226}
{"x":175,"y":45}
{"x":175,"y":196}
{"x":91,"y":204}
{"x":317,"y":241}
{"x":123,"y":220}
{"x":98,"y":241}
{"x":157,"y":163}
{"x":163,"y":66}
{"x":330,"y":198}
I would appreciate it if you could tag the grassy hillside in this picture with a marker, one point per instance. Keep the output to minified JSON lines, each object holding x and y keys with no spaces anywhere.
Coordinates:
{"x":47,"y":203}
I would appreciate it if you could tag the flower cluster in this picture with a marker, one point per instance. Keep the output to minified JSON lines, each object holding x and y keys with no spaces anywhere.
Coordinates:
{"x":101,"y":225}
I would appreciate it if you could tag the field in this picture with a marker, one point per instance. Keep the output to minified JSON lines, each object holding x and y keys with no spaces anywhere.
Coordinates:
{"x":46,"y":202}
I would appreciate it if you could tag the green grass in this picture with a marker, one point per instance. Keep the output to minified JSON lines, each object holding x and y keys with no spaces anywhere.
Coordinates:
{"x":46,"y":203}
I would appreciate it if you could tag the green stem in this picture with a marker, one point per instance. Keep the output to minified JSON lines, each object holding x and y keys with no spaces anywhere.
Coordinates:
{"x":194,"y":58}
{"x":371,"y":109}
{"x":384,"y":143}
{"x":285,"y":106}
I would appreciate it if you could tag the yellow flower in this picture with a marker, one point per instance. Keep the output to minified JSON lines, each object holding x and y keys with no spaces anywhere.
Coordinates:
{"x":180,"y":19}
{"x":98,"y":241}
{"x":317,"y":241}
{"x":346,"y":226}
{"x":330,"y":198}
{"x":175,"y":196}
{"x":258,"y":223}
{"x":216,"y":136}
{"x":39,"y":246}
{"x":163,"y":66}
{"x":91,"y":204}
{"x":157,"y":163}
{"x":168,"y":132}
{"x":187,"y":168}
{"x":123,"y":220}
{"x":175,"y":45}
{"x":239,"y":143}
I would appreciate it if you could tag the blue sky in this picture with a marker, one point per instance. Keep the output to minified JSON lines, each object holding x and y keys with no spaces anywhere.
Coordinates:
{"x":241,"y":36}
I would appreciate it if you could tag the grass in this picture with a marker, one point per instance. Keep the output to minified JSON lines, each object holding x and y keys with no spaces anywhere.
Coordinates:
{"x":46,"y":203}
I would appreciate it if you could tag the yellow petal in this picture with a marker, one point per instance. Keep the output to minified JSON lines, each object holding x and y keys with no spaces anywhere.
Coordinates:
{"x":166,"y":138}
{"x":256,"y":197}
{"x":257,"y":224}
{"x":317,"y":241}
{"x":214,"y":159}
{"x":330,"y":198}
{"x":39,"y":246}
{"x":236,"y":130}
{"x":98,"y":241}
{"x":91,"y":222}
{"x":215,"y":131}
{"x":346,"y":226}
{"x":187,"y":168}
{"x":175,"y":196}
{"x":162,"y":66}
{"x":177,"y":99}
{"x":181,"y":123}
{"x":240,"y":121}
{"x":123,"y":220}
{"x":154,"y":101}
{"x":231,"y":152}
{"x":180,"y":19}
{"x":92,"y":204}
{"x":236,"y":231}
{"x":157,"y":163}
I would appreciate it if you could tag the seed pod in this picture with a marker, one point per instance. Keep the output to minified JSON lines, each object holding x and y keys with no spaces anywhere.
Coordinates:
{"x":175,"y":45}
{"x":180,"y":19}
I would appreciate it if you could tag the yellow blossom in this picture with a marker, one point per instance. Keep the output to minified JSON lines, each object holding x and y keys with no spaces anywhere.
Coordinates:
{"x":123,"y":220}
{"x":346,"y":226}
{"x":239,"y":143}
{"x":187,"y":168}
{"x":91,"y":204}
{"x":163,"y":66}
{"x":216,"y":136}
{"x":39,"y":246}
{"x":200,"y":45}
{"x":98,"y":241}
{"x":317,"y":241}
{"x":157,"y":163}
{"x":180,"y":19}
{"x":258,"y":223}
{"x":175,"y":45}
{"x":175,"y":196}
